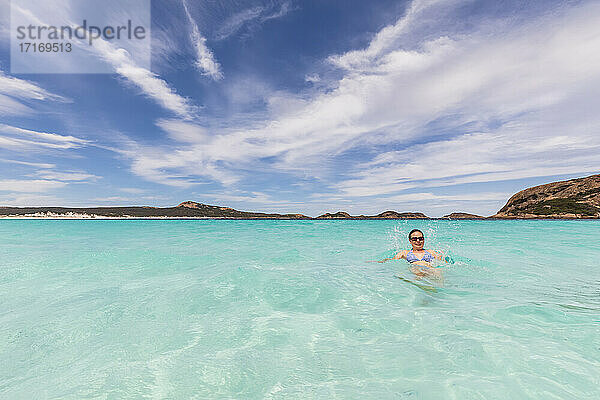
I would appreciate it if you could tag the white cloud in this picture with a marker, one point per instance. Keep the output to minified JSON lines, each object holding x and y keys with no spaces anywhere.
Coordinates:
{"x":243,"y":197}
{"x":509,"y":102}
{"x":117,"y":200}
{"x":29,"y":164}
{"x":15,"y":92}
{"x":132,"y":190}
{"x":66,"y":175}
{"x":10,"y":106}
{"x":314,"y":78}
{"x":29,"y":185}
{"x":25,"y":89}
{"x":466,"y":197}
{"x":183,"y":131}
{"x":31,"y":200}
{"x":431,"y":204}
{"x":150,"y":84}
{"x":123,"y":64}
{"x":237,"y":21}
{"x":50,"y":137}
{"x":205,"y":59}
{"x":35,"y":138}
{"x":285,"y":8}
{"x":387,"y":39}
{"x":252,"y":16}
{"x":532,"y":147}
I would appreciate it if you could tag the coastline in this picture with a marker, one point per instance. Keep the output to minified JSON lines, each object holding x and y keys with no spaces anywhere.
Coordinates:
{"x":575,"y":199}
{"x":163,"y":218}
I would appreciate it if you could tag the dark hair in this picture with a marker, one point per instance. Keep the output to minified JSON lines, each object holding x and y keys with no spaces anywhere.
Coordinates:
{"x":413,"y":231}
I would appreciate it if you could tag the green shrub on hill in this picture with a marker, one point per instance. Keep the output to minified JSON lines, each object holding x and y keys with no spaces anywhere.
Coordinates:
{"x":564,"y":206}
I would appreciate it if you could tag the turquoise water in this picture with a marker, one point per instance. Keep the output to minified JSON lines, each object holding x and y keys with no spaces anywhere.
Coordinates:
{"x":291,"y":310}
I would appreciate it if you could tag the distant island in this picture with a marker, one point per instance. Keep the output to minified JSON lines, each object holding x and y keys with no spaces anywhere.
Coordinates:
{"x":571,"y":199}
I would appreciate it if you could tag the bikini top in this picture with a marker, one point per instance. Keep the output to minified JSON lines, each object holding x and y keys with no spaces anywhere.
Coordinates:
{"x":411,"y":257}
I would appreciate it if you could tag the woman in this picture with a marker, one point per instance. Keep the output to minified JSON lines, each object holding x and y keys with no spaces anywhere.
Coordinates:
{"x":419,"y":258}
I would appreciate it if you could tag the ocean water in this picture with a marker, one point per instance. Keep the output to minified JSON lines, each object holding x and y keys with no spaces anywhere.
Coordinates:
{"x":292,"y":310}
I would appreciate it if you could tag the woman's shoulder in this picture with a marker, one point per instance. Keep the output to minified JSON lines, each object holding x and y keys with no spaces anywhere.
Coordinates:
{"x":436,"y":254}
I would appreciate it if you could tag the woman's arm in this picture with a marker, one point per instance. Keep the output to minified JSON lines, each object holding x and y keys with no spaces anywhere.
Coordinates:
{"x":438,"y":255}
{"x":398,"y":256}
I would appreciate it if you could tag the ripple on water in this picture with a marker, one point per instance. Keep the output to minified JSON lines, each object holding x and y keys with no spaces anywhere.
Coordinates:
{"x":257,"y":309}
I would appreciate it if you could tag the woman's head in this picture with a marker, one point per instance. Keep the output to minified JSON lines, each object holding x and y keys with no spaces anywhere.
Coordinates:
{"x":416,"y":238}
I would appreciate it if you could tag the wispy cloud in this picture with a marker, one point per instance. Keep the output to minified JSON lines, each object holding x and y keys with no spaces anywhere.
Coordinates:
{"x":244,"y":197}
{"x":29,"y":185}
{"x":424,"y":106}
{"x":151,"y":85}
{"x":19,"y":137}
{"x":314,"y":78}
{"x":25,"y":89}
{"x":427,"y":202}
{"x":14,"y":93}
{"x":29,"y":164}
{"x":237,"y":21}
{"x":205,"y":59}
{"x":386,"y":40}
{"x":252,"y":17}
{"x":502,"y":117}
{"x":70,"y":176}
{"x":132,"y":190}
{"x":31,"y":200}
{"x":285,"y":8}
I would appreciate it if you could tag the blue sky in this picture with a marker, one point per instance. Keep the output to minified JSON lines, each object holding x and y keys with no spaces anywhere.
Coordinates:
{"x":315,"y":106}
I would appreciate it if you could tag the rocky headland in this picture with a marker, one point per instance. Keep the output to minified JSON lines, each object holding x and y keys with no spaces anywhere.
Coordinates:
{"x":185,"y":210}
{"x":574,"y":198}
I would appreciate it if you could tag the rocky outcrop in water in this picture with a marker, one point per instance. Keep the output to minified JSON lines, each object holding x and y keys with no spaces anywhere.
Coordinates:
{"x":397,"y":215}
{"x":383,"y":215}
{"x":462,"y":215}
{"x":337,"y":215}
{"x":574,"y":198}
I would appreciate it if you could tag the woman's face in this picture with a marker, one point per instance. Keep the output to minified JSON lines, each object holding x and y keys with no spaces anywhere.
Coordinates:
{"x":417,"y":240}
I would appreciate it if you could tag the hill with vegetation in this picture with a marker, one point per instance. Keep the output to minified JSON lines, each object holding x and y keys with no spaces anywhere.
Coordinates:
{"x":574,"y":198}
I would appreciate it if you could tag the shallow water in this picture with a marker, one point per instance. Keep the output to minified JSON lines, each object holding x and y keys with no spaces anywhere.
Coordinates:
{"x":292,"y":310}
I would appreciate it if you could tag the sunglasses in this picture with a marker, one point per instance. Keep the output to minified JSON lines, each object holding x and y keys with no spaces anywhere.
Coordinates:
{"x":417,"y":239}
